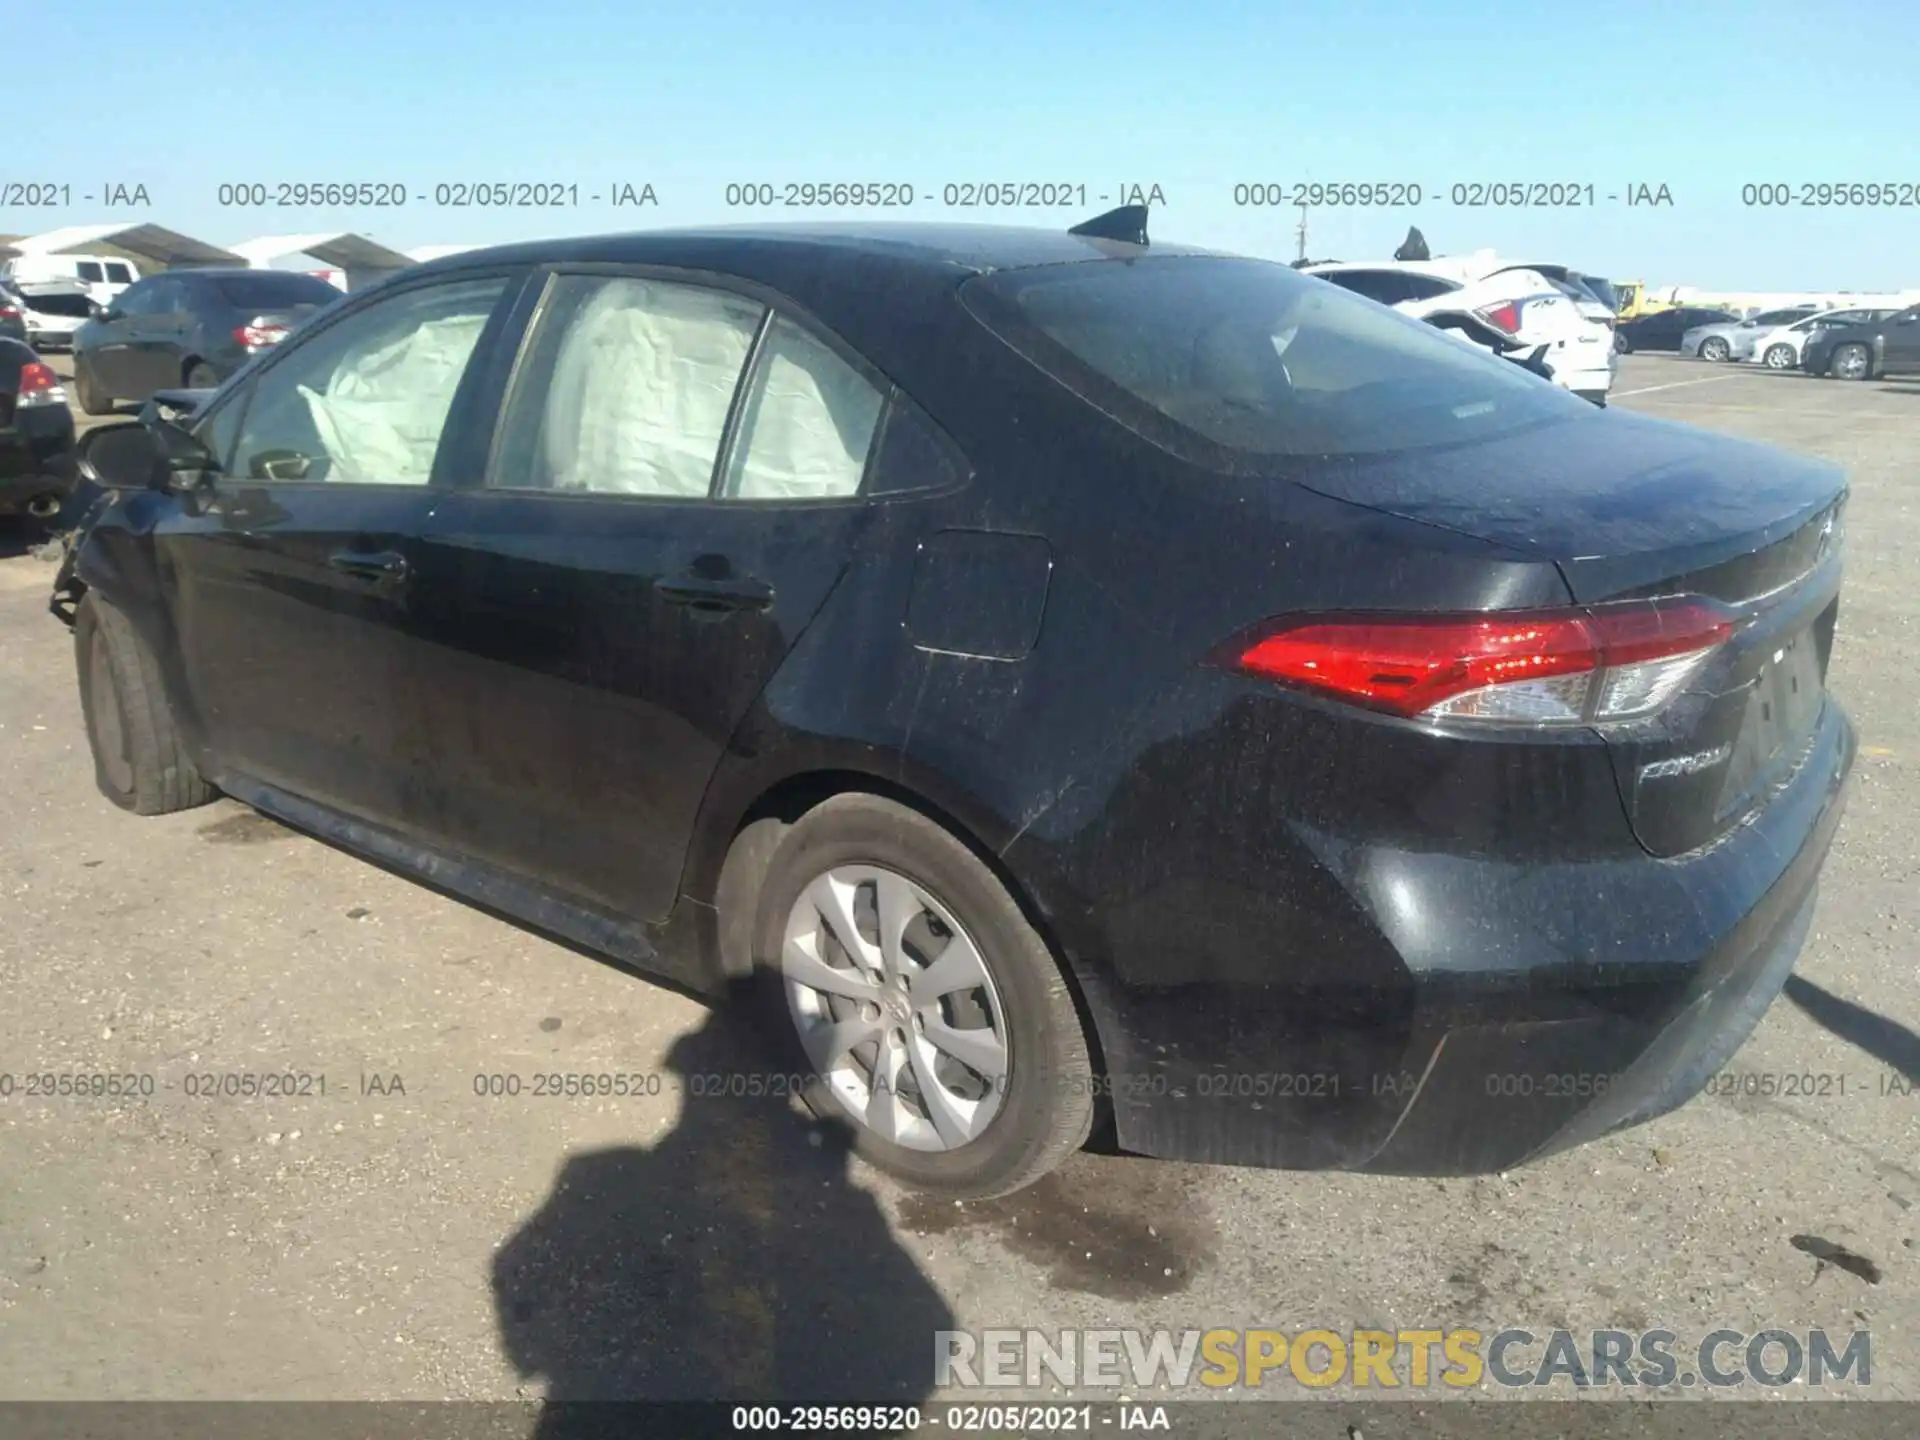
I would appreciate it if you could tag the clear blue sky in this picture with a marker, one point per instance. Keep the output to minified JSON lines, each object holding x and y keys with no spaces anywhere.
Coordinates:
{"x":1702,"y":96}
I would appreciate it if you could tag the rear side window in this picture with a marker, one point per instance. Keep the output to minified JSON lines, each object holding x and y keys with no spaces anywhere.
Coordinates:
{"x":1256,"y":359}
{"x":625,"y":388}
{"x":88,"y":270}
{"x":807,"y":423}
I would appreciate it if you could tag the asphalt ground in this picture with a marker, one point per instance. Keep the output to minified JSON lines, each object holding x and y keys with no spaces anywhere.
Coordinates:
{"x":407,"y":1235}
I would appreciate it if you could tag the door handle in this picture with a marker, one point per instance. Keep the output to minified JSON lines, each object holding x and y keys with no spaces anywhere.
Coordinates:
{"x":697,"y":592}
{"x":387,"y":565}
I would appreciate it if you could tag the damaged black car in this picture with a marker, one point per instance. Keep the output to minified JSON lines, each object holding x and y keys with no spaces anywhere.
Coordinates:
{"x":1063,"y":680}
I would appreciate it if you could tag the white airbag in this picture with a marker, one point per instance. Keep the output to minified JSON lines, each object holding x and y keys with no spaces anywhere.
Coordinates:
{"x":381,"y":416}
{"x":638,"y":399}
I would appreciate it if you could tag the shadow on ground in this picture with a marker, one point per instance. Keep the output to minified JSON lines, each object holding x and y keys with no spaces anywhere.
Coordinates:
{"x":733,"y":1261}
{"x":1888,"y":1041}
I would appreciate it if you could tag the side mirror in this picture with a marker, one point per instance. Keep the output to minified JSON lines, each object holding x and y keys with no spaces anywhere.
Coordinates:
{"x":139,"y":455}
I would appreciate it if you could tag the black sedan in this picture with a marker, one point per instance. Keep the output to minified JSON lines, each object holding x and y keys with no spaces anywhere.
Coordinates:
{"x":1663,"y":329}
{"x":36,"y":435}
{"x":1053,"y":675}
{"x":190,"y":328}
{"x":1866,"y":351}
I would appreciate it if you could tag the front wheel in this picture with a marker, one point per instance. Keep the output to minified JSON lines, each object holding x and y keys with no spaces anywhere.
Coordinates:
{"x":1779,"y":357}
{"x":87,"y":391}
{"x":139,"y":762}
{"x":1851,"y":362}
{"x":1715,"y":349}
{"x":934,"y":1019}
{"x":1621,"y":344}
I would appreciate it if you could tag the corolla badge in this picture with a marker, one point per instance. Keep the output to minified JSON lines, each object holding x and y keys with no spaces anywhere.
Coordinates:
{"x":1686,"y":764}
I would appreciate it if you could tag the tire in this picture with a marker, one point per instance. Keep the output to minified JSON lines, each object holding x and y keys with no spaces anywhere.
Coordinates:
{"x":87,"y":393}
{"x":1779,"y":357}
{"x":1621,"y":344}
{"x":979,"y":1139}
{"x":200,"y":376}
{"x":1714,"y":349}
{"x":1851,"y":362}
{"x":138,"y":761}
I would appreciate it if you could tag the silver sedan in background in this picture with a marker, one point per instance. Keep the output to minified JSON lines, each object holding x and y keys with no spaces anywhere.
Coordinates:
{"x":1736,"y":339}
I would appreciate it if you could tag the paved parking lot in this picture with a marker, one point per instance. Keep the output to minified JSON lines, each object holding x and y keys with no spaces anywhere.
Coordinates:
{"x":404,"y":1234}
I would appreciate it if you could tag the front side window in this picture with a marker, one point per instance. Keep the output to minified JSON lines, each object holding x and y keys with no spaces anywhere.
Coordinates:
{"x":807,"y":424}
{"x":364,"y":401}
{"x":625,"y":388}
{"x":1256,"y":359}
{"x":138,"y":300}
{"x":118,"y":274}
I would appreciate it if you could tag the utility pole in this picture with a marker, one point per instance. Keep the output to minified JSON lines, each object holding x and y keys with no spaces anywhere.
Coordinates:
{"x":1303,"y":230}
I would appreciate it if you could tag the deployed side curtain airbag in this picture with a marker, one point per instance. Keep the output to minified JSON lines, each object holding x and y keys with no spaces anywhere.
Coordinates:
{"x":381,"y":415}
{"x":640,"y":390}
{"x":808,"y":424}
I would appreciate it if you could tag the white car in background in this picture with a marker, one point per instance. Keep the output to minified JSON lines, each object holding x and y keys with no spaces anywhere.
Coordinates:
{"x":1780,"y":348}
{"x":52,"y":311}
{"x":101,"y":276}
{"x":1532,"y":310}
{"x":1737,"y":339}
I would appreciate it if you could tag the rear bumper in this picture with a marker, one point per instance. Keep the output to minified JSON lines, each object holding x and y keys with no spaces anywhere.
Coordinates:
{"x":1544,"y":1005}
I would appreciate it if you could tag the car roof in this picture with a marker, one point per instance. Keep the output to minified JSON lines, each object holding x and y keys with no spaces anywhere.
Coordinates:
{"x":885,"y":288}
{"x":943,"y":249}
{"x":226,"y":272}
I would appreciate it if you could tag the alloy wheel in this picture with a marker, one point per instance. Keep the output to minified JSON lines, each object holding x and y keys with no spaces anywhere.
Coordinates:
{"x":1780,"y":357}
{"x":1714,"y":348}
{"x":896,"y":1008}
{"x":1850,"y":362}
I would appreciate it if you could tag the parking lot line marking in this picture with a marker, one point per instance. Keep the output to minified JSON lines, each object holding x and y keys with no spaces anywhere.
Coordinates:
{"x":1676,"y":385}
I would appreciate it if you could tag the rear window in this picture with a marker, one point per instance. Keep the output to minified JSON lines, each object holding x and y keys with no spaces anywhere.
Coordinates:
{"x":269,"y":291}
{"x":1602,"y":290}
{"x":1256,"y":359}
{"x":60,"y":304}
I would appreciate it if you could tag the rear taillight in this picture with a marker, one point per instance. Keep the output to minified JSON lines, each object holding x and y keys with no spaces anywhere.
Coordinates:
{"x":1504,"y":316}
{"x":39,"y":386}
{"x":1526,"y":668}
{"x":257,"y":336}
{"x":10,"y":312}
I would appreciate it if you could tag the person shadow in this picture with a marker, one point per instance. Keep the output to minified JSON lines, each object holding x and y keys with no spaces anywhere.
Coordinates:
{"x":732,"y":1262}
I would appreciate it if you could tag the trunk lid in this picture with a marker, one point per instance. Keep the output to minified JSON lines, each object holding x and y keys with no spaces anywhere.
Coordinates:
{"x":1628,"y":507}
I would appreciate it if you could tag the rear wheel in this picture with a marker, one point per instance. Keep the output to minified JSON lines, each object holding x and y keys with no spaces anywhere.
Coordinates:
{"x":1621,"y":344}
{"x":1851,"y":362}
{"x":1779,"y":357}
{"x":87,"y":391}
{"x":138,"y":760}
{"x":896,"y":968}
{"x":1715,"y":349}
{"x":201,"y":376}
